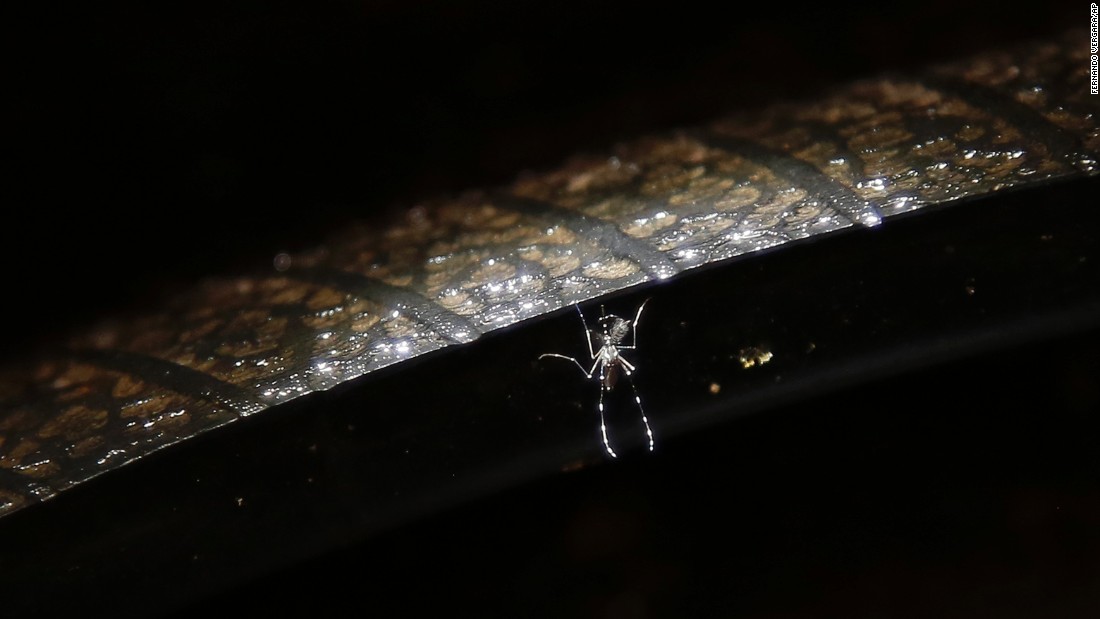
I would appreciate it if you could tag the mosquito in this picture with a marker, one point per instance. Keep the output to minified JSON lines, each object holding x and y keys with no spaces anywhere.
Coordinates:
{"x":608,"y":360}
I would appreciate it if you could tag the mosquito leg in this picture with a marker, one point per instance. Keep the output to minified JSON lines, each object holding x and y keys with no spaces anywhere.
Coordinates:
{"x":594,"y":366}
{"x":587,"y":374}
{"x":627,"y":367}
{"x":634,"y":328}
{"x":638,"y":399}
{"x":603,"y":427}
{"x":587,"y":333}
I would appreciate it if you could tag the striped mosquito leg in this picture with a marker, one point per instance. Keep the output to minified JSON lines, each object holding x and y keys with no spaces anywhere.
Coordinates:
{"x":638,"y":399}
{"x":603,"y":428}
{"x":587,"y":333}
{"x":587,"y":373}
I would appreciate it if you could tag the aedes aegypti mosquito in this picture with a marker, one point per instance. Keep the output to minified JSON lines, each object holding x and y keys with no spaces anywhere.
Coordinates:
{"x":608,"y":360}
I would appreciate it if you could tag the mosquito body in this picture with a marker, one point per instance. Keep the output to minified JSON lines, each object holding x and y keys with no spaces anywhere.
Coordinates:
{"x":605,"y":346}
